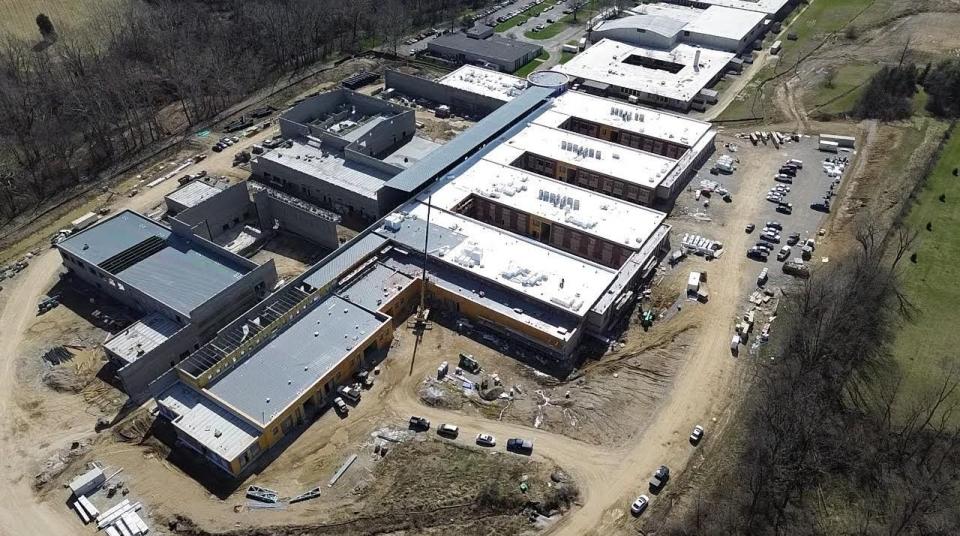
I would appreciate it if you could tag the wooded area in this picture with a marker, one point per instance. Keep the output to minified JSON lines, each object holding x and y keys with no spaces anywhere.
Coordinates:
{"x":75,"y":107}
{"x":821,"y":451}
{"x":889,"y":93}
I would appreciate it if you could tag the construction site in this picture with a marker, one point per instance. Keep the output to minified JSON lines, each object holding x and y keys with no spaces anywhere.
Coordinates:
{"x":433,"y":302}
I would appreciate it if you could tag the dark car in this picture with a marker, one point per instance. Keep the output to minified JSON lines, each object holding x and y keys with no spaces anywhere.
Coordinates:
{"x":785,"y":209}
{"x":793,"y":239}
{"x":520,"y":446}
{"x":419,"y":423}
{"x":660,"y":478}
{"x":757,"y":254}
{"x":750,"y":227}
{"x":448,"y":430}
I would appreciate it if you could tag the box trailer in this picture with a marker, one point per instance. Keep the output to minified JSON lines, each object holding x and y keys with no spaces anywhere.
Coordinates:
{"x":572,"y":49}
{"x":829,"y":146}
{"x":84,"y":221}
{"x":842,"y":141}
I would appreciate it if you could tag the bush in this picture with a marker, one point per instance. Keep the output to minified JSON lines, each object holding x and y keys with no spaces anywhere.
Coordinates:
{"x":889,"y":94}
{"x":943,"y":87}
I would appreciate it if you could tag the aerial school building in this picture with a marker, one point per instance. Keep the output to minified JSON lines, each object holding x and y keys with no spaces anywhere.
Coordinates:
{"x":541,"y":255}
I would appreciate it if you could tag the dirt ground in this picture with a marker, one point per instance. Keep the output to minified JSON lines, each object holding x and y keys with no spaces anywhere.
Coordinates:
{"x":291,"y":254}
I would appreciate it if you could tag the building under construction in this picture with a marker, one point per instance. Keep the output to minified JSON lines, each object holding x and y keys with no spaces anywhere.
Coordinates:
{"x":538,"y":244}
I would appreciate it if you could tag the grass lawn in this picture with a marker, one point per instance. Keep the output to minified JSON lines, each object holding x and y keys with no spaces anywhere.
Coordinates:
{"x":514,"y":21}
{"x":566,"y":56}
{"x":926,"y":347}
{"x":532,"y":65}
{"x":19,"y":18}
{"x":550,"y":31}
{"x":812,"y":26}
{"x":848,"y":82}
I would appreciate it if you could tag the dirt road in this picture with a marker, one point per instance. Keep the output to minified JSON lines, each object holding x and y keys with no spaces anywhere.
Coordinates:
{"x":21,"y":512}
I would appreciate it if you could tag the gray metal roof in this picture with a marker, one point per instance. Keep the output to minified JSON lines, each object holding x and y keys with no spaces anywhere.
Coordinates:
{"x":411,"y":235}
{"x":333,"y":266}
{"x":375,"y":286}
{"x":494,"y":47}
{"x":182,"y":276}
{"x":329,"y":167}
{"x":112,"y":236}
{"x":412,"y":152}
{"x":208,"y":423}
{"x":270,"y":379}
{"x":453,"y":152}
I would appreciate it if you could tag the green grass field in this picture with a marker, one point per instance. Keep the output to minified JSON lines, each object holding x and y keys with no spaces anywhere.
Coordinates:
{"x":840,"y":96}
{"x":19,"y":16}
{"x":532,"y":66}
{"x":926,"y":347}
{"x":532,"y":12}
{"x":811,"y":26}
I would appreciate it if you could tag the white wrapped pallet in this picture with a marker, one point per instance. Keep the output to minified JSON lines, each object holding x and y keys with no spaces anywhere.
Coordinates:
{"x":89,"y":507}
{"x":109,"y":519}
{"x":112,"y":531}
{"x":81,"y":512}
{"x":132,"y":526}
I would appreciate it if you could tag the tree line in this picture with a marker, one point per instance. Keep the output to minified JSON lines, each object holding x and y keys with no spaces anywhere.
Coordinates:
{"x":824,"y":445}
{"x":889,"y":93}
{"x":148,"y":67}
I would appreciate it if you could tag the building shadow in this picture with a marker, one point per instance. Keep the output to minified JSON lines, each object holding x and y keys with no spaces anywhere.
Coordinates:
{"x":96,"y":308}
{"x":507,"y":346}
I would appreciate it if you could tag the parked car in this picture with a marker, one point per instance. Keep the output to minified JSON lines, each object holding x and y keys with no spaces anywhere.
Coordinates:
{"x":697,"y":433}
{"x":775,"y":225}
{"x":785,"y":208}
{"x":639,"y":505}
{"x":764,"y":245}
{"x":784,"y":253}
{"x":757,"y":254}
{"x":448,"y":430}
{"x":419,"y":424}
{"x":340,"y":406}
{"x":349,"y":393}
{"x":786,"y":179}
{"x":793,"y":238}
{"x":750,"y":227}
{"x":770,"y":237}
{"x":486,"y":440}
{"x":659,"y":478}
{"x":520,"y":446}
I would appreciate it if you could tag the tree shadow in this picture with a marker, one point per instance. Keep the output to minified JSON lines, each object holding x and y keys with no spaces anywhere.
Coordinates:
{"x":46,"y":43}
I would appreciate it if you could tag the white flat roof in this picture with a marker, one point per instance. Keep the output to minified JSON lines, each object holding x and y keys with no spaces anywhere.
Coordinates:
{"x":533,"y":269}
{"x":208,"y":423}
{"x":604,"y":62}
{"x":194,"y":193}
{"x":764,"y":6}
{"x":638,"y":119}
{"x":726,"y":22}
{"x":717,"y":20}
{"x":593,"y":213}
{"x":141,"y":337}
{"x":485,"y":82}
{"x":617,"y":161}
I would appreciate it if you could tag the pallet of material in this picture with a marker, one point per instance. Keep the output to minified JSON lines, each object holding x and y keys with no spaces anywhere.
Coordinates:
{"x":111,"y":531}
{"x":84,"y":516}
{"x":89,"y":507}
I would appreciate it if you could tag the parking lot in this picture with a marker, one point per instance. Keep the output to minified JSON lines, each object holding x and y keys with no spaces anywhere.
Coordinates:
{"x":804,"y":194}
